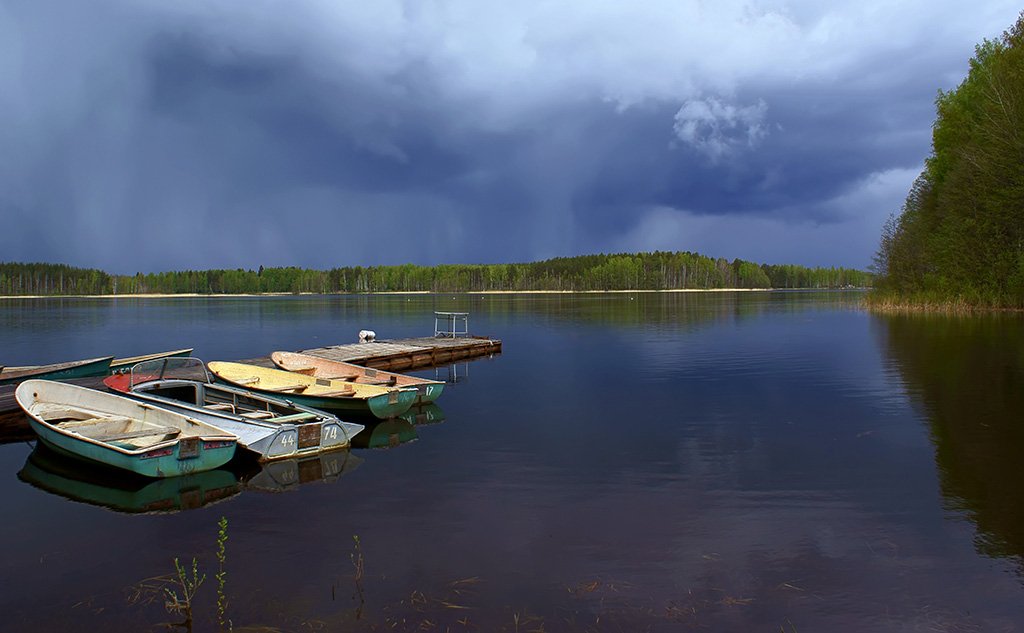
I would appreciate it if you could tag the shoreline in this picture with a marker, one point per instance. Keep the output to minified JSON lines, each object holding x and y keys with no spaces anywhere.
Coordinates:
{"x":195,"y":295}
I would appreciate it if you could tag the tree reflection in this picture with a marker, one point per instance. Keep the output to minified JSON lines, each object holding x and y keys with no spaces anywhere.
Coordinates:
{"x":967,"y":374}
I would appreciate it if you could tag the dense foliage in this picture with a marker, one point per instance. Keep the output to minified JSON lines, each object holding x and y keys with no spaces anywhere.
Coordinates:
{"x":640,"y":271}
{"x":960,"y":236}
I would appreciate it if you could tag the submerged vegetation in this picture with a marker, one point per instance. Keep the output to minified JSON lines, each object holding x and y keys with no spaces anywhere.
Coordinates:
{"x":958,"y":243}
{"x":590,"y":605}
{"x":637,"y":271}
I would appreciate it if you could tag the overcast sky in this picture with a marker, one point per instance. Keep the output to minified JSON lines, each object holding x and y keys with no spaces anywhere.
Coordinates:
{"x":146,"y":135}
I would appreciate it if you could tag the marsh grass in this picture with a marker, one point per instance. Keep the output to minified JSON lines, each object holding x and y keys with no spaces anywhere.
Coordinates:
{"x":926,"y":303}
{"x":591,"y":605}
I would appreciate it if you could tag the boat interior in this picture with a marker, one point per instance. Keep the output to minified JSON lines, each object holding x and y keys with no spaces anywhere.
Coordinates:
{"x":213,"y":398}
{"x":125,"y":432}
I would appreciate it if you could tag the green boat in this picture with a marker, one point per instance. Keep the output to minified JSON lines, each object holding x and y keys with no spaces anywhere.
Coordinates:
{"x":84,"y":482}
{"x":351,"y":399}
{"x":122,"y":365}
{"x":115,"y":431}
{"x":429,"y":390}
{"x":57,"y":371}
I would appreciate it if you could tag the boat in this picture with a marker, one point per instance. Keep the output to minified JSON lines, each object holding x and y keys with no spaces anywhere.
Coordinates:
{"x":124,"y":364}
{"x":116,"y":490}
{"x":319,"y":393}
{"x":429,"y":390}
{"x":57,"y":371}
{"x":113,"y":430}
{"x":269,"y":427}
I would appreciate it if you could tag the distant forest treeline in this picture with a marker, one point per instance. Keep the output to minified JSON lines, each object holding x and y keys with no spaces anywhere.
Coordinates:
{"x":640,"y":271}
{"x":959,"y":240}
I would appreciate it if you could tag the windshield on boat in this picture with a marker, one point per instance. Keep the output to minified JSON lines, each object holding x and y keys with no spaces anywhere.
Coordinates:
{"x":169,"y":368}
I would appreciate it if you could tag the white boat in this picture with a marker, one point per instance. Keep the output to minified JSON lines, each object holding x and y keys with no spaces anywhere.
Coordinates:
{"x":272,"y":428}
{"x":110,"y":429}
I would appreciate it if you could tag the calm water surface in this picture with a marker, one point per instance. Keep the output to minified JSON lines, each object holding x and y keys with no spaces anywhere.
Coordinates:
{"x":726,"y":462}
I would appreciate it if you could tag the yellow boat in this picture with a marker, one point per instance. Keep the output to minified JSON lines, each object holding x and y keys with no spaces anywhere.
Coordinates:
{"x":319,"y":393}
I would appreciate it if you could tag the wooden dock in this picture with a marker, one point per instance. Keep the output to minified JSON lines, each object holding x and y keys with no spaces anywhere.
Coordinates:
{"x":394,"y":355}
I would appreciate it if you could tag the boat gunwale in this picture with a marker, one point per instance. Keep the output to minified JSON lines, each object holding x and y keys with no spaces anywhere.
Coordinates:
{"x":13,"y":373}
{"x":321,"y":416}
{"x":274,"y":356}
{"x":134,"y":360}
{"x":353,"y":397}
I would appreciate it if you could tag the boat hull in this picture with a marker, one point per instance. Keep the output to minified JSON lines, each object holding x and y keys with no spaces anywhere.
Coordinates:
{"x":59,"y":371}
{"x":71,"y":420}
{"x":308,"y":365}
{"x":165,"y":462}
{"x":366,"y":401}
{"x":293,"y":431}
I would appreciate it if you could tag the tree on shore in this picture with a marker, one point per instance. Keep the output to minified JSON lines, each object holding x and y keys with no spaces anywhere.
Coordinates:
{"x":960,"y":235}
{"x":621,"y":271}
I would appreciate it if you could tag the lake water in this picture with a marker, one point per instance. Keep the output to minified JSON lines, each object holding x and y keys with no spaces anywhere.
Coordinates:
{"x":723,"y":462}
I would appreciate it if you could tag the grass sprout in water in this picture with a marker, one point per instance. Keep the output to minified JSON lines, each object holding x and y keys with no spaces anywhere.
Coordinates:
{"x":222,"y":574}
{"x":188,"y":584}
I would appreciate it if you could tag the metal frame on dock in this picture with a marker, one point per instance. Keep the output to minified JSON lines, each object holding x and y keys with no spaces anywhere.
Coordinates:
{"x":451,"y":323}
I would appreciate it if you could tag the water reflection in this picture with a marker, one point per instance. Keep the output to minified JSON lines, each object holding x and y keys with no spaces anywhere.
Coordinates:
{"x":386,"y":434}
{"x":123,"y":492}
{"x":288,"y":474}
{"x":967,"y":375}
{"x":424,"y":414}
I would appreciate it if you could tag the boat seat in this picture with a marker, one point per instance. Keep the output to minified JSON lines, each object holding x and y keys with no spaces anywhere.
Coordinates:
{"x":346,"y":377}
{"x":258,"y":415}
{"x":220,"y":406}
{"x":389,"y":382}
{"x":295,"y":417}
{"x":247,"y":381}
{"x":288,"y":388}
{"x":131,"y":435}
{"x":74,"y":424}
{"x":335,"y":394}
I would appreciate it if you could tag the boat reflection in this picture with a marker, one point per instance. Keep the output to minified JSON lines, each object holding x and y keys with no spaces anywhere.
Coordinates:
{"x":288,"y":474}
{"x":124,"y":492}
{"x":385,"y":434}
{"x":424,"y":414}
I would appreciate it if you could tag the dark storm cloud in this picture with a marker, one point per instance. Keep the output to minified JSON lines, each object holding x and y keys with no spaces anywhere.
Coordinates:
{"x":149,"y":136}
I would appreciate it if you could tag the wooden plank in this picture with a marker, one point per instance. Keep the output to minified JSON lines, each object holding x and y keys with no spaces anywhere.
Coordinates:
{"x":131,"y":435}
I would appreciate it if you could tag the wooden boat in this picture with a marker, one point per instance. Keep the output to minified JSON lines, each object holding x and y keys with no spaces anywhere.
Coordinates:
{"x":319,"y":393}
{"x":267,"y":426}
{"x":429,"y":390}
{"x":57,"y":371}
{"x":113,"y":430}
{"x":116,"y":490}
{"x":124,"y":364}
